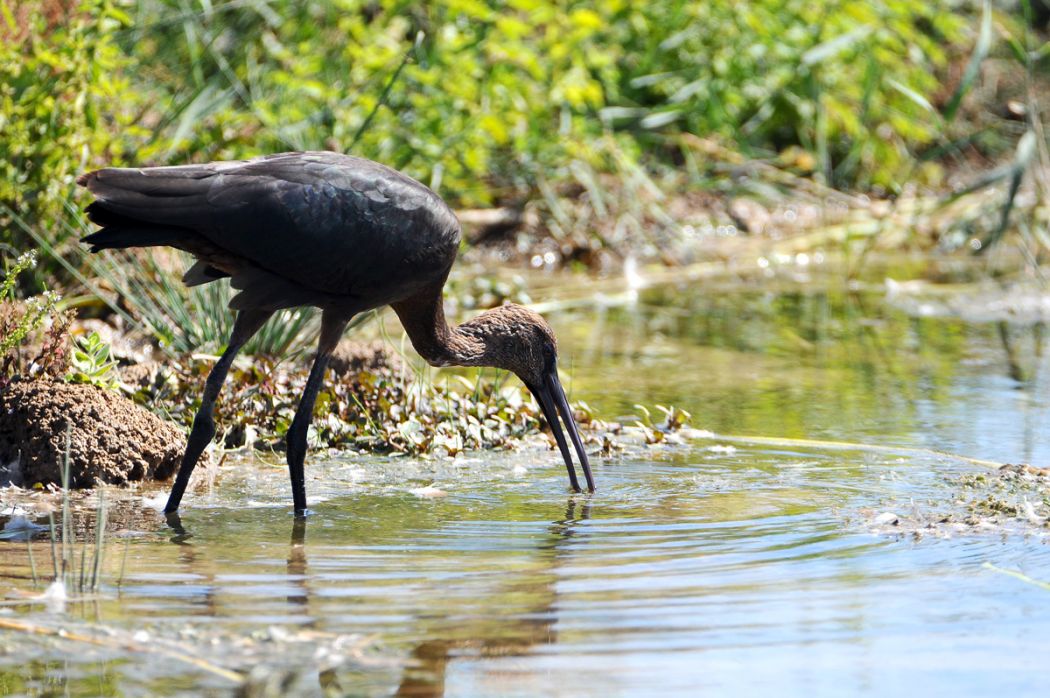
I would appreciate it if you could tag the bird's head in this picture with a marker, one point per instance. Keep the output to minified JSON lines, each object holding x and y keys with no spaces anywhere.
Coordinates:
{"x":520,"y":340}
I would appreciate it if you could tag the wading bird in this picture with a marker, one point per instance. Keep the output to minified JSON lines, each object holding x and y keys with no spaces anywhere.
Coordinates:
{"x":324,"y":229}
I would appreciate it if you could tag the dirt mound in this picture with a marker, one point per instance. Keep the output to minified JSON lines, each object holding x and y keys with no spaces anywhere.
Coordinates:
{"x":350,"y":358}
{"x":112,"y":439}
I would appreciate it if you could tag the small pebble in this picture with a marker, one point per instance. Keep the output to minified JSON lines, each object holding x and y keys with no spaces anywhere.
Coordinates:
{"x":886,"y":518}
{"x":429,"y":492}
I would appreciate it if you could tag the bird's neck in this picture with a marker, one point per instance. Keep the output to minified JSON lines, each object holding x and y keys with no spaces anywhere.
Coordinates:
{"x":423,"y":317}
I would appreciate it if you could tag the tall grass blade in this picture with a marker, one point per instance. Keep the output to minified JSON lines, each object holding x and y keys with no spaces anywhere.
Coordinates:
{"x":832,"y":47}
{"x":980,"y":52}
{"x":912,"y":95}
{"x":124,"y":562}
{"x":32,"y":562}
{"x":100,"y":536}
{"x":1025,"y":152}
{"x":54,"y":545}
{"x":67,"y":524}
{"x":385,"y":94}
{"x":83,"y":566}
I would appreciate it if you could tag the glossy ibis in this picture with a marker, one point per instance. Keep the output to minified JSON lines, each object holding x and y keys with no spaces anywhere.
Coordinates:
{"x":340,"y":233}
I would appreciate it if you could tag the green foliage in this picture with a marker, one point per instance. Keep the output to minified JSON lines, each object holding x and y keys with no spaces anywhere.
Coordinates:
{"x":487,"y":102}
{"x":64,"y":103}
{"x":91,"y":363}
{"x":486,"y":98}
{"x":844,"y":84}
{"x":456,"y":93}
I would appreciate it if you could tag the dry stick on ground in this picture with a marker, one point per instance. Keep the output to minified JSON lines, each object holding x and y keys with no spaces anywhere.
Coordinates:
{"x":127,"y":645}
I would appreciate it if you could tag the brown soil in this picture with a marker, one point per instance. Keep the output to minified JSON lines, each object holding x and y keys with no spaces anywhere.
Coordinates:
{"x":141,"y":376}
{"x":112,"y":439}
{"x":354,"y":357}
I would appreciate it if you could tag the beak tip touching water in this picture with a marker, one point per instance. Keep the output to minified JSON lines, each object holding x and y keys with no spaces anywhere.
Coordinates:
{"x":554,"y":404}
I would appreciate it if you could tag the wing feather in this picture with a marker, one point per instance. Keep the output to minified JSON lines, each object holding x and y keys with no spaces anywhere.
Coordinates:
{"x":331,"y":223}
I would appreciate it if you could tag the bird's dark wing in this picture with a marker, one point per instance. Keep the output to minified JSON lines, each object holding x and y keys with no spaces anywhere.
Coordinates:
{"x":328,"y":222}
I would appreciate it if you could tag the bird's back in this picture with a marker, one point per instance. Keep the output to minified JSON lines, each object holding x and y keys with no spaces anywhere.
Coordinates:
{"x":291,"y":228}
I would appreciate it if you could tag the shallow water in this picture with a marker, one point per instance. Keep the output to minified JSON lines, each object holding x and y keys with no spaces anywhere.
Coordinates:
{"x":709,"y":566}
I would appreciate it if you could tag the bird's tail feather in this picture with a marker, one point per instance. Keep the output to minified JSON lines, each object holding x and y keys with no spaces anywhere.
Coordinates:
{"x":164,"y":195}
{"x":120,"y":230}
{"x":142,"y":235}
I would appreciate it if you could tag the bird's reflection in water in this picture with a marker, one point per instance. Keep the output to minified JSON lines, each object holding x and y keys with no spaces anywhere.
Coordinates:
{"x":527,"y":595}
{"x":513,"y":633}
{"x":296,"y":566}
{"x":179,"y":533}
{"x":197,"y":563}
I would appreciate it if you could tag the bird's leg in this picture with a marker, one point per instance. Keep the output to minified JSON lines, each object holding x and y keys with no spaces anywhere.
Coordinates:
{"x":247,"y":324}
{"x":332,"y":326}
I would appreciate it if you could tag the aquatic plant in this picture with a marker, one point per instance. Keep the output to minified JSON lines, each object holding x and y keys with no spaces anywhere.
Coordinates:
{"x":87,"y":575}
{"x":657,"y":432}
{"x":72,"y":569}
{"x":381,"y":407}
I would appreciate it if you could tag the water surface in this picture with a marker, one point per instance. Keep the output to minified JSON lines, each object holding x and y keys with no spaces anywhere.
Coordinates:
{"x":710,"y":566}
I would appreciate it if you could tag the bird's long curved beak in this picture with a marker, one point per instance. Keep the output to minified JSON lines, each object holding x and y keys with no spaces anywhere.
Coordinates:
{"x":553,"y":402}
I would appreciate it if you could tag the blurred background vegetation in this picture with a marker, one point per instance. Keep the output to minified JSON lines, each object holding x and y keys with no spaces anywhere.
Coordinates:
{"x":607,"y":118}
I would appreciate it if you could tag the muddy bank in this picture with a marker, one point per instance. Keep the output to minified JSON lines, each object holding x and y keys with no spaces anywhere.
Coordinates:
{"x":111,"y":439}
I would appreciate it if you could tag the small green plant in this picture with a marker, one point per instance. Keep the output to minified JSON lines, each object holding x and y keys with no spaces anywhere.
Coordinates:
{"x":654,"y":432}
{"x":92,"y":364}
{"x":24,"y":261}
{"x":18,"y":322}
